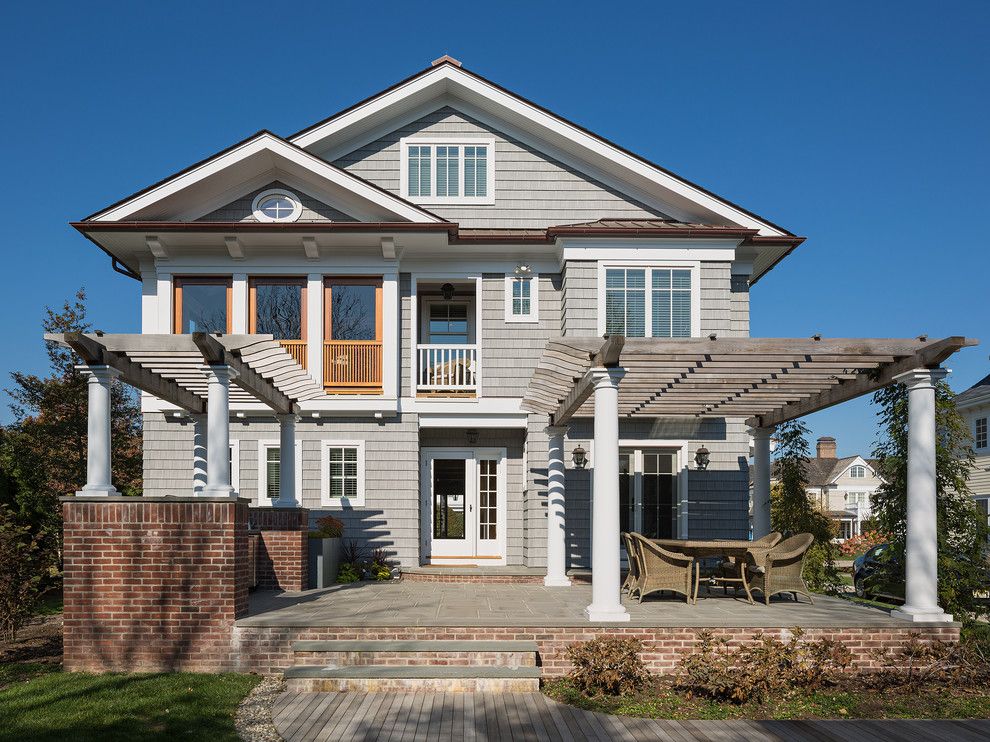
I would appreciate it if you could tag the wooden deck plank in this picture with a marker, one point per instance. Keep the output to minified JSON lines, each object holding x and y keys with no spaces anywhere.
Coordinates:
{"x":302,"y":713}
{"x":307,"y":729}
{"x":553,"y":710}
{"x":471,"y":719}
{"x":537,"y":716}
{"x":385,"y":714}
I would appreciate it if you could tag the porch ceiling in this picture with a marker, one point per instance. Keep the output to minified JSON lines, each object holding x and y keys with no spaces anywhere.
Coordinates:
{"x":174,"y":368}
{"x":766,"y":380}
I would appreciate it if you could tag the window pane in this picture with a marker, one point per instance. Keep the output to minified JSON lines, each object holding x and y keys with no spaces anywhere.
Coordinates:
{"x":278,"y":310}
{"x":449,"y":489}
{"x":204,"y":307}
{"x":419,"y":171}
{"x":625,"y":302}
{"x":671,"y":303}
{"x":476,"y":171}
{"x":273,"y":469}
{"x":353,"y":312}
{"x":343,"y":472}
{"x":448,"y":176}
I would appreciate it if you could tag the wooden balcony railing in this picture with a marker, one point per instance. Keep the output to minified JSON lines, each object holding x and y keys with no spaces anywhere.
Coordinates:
{"x":352,"y":366}
{"x":447,"y":368}
{"x":296,"y":349}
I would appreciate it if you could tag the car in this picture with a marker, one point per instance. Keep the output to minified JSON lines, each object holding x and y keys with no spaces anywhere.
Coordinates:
{"x":879,"y":574}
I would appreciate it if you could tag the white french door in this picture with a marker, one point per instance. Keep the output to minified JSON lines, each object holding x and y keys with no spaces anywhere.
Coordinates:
{"x":648,"y":492}
{"x":463,"y":506}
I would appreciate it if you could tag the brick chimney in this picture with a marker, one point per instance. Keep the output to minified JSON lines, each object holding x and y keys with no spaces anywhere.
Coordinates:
{"x":826,"y":447}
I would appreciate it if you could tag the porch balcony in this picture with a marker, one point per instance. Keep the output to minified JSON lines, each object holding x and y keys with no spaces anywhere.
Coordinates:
{"x":352,"y":366}
{"x":447,"y":354}
{"x":447,"y":368}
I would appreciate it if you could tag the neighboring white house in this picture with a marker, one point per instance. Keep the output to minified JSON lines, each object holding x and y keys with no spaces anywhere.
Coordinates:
{"x":974,"y":405}
{"x":414,"y":253}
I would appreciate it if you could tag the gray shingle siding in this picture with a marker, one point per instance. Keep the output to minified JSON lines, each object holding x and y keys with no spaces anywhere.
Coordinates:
{"x":579,"y":308}
{"x":313,"y":210}
{"x":532,"y":190}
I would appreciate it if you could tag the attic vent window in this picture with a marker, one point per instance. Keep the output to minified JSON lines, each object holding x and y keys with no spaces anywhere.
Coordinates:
{"x":276,"y":206}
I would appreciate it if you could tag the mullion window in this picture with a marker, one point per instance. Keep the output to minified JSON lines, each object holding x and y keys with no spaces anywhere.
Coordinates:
{"x":671,"y":303}
{"x":273,"y":468}
{"x":420,"y":163}
{"x":343,"y":472}
{"x":653,"y":302}
{"x":981,"y":432}
{"x":521,"y":299}
{"x":448,"y":171}
{"x":625,"y":302}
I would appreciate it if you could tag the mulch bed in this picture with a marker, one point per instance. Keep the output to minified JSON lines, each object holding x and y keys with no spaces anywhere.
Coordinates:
{"x":39,"y":642}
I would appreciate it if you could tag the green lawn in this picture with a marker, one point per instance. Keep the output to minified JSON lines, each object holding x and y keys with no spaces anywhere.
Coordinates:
{"x":38,"y":702}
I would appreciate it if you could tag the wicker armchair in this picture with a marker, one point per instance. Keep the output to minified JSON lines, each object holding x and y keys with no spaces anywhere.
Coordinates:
{"x":631,"y":583}
{"x":664,"y":570}
{"x":731,"y":566}
{"x":781,"y":571}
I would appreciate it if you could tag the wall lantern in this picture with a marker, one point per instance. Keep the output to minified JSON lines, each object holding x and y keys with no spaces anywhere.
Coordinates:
{"x":524,"y":269}
{"x":472,"y":436}
{"x":447,"y":291}
{"x":580,"y":457}
{"x":701,"y":458}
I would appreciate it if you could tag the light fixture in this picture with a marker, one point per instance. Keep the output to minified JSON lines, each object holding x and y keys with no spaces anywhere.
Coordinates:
{"x":524,"y":269}
{"x":472,"y":436}
{"x":580,"y":457}
{"x":447,"y":291}
{"x":701,"y":458}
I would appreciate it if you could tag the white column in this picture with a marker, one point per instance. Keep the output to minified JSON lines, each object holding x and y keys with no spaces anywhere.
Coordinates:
{"x":606,"y":601}
{"x":287,"y":496}
{"x":761,"y":482}
{"x":556,"y":522}
{"x":218,"y":432}
{"x":199,"y":453}
{"x":98,"y":431}
{"x":921,"y":547}
{"x":314,"y":326}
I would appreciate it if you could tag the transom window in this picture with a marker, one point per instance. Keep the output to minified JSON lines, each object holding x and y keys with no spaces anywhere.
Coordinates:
{"x":648,"y":302}
{"x":435,"y":170}
{"x":857,"y":472}
{"x":276,"y":206}
{"x":343,"y":473}
{"x":521,"y":299}
{"x":981,"y":432}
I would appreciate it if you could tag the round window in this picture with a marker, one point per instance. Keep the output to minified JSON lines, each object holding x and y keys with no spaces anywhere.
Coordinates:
{"x":276,"y":206}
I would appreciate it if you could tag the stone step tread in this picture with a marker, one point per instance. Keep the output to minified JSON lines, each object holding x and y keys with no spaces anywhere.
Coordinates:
{"x":412,"y":645}
{"x":410,"y":671}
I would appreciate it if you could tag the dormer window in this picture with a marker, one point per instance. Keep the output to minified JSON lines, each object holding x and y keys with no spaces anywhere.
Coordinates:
{"x":448,"y":171}
{"x":857,"y":472}
{"x":276,"y":205}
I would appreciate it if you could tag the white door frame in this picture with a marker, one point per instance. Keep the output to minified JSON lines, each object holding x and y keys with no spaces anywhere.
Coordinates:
{"x":474,"y":551}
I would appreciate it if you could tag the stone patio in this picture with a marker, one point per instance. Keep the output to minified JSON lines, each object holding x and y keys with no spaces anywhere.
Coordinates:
{"x":406,"y":603}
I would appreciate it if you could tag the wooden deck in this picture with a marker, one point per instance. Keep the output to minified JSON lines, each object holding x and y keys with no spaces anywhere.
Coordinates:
{"x":505,"y":717}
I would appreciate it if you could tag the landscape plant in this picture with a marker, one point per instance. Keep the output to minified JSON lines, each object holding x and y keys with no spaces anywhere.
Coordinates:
{"x":328,"y":527}
{"x":961,"y":527}
{"x":348,"y":573}
{"x":20,"y":573}
{"x":607,"y":665}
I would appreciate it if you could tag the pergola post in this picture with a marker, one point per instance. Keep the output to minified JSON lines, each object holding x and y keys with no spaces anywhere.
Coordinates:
{"x":98,"y":469}
{"x":556,"y":504}
{"x":921,"y":548}
{"x":606,"y":599}
{"x":761,"y":482}
{"x":287,"y":496}
{"x":218,"y":432}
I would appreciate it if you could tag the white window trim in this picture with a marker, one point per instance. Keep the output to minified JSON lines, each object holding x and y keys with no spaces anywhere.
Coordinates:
{"x":693,"y":265}
{"x":260,"y":499}
{"x":235,"y":464}
{"x":292,"y":197}
{"x":534,"y":298}
{"x":340,"y":502}
{"x":456,"y":141}
{"x":976,"y":421}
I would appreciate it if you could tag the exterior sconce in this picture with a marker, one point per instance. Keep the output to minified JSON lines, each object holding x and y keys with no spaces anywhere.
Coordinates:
{"x":701,"y":458}
{"x":524,"y":269}
{"x":447,"y":291}
{"x":472,"y":436}
{"x":580,"y":457}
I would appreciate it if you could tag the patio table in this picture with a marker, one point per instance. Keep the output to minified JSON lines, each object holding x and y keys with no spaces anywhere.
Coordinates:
{"x":735,"y":548}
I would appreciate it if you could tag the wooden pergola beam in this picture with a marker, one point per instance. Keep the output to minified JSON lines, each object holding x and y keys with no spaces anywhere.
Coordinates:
{"x":606,"y":356}
{"x":216,"y":353}
{"x":94,"y":352}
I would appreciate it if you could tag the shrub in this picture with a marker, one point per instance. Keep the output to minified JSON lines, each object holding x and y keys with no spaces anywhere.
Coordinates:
{"x":328,"y":527}
{"x":819,"y":568}
{"x":916,"y":663}
{"x":381,"y":556}
{"x":20,"y":573}
{"x":351,"y":552}
{"x":862,"y":543}
{"x":757,"y":671}
{"x":348,"y":573}
{"x":381,"y":572}
{"x":607,"y":665}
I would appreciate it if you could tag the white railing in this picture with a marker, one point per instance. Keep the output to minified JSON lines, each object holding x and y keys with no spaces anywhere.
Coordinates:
{"x":447,"y":368}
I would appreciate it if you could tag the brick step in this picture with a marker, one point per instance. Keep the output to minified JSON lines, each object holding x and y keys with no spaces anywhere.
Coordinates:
{"x":419,"y":653}
{"x":381,"y":678}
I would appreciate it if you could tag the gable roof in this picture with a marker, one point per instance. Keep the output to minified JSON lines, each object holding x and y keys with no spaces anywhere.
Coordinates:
{"x":448,"y":77}
{"x":822,"y":472}
{"x":979,"y":392}
{"x":228,"y":173}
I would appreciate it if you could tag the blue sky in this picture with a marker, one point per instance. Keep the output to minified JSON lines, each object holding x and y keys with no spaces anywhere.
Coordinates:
{"x":863,"y":126}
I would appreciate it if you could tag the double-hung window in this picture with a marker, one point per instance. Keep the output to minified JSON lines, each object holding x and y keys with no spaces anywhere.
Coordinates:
{"x":649,"y":302}
{"x":440,"y":170}
{"x":270,"y":471}
{"x":980,"y":432}
{"x":343,"y":473}
{"x":522,"y":298}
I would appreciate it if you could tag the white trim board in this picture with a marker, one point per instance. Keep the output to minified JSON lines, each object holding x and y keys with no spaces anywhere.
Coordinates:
{"x":343,"y":502}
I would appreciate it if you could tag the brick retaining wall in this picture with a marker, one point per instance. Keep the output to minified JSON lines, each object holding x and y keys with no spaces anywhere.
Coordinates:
{"x":269,"y":649}
{"x":153,"y":583}
{"x":282,"y":561}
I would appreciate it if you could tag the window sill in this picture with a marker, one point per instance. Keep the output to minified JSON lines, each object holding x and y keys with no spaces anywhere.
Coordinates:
{"x":452,"y":201}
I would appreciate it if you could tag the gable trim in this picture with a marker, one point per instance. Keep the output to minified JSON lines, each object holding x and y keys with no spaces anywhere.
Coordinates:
{"x":262,"y":140}
{"x":447,"y":72}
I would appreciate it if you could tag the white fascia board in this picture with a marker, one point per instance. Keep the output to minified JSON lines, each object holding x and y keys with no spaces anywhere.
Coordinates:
{"x":647,"y":249}
{"x":975,"y":401}
{"x":274,"y":147}
{"x":460,"y":406}
{"x":448,"y":79}
{"x":435,"y":420}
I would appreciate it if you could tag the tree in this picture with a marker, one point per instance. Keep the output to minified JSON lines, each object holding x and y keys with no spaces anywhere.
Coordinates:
{"x":43,"y":452}
{"x":792,"y":511}
{"x":962,"y":531}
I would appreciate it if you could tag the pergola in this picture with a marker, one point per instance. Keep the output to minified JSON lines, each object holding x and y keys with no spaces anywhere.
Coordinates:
{"x":193,"y":372}
{"x":767,"y":381}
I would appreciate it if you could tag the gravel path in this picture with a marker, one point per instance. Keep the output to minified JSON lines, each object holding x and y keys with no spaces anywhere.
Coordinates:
{"x":254,"y":716}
